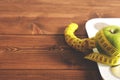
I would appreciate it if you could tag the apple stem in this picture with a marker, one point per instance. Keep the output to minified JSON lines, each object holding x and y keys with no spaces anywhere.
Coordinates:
{"x":112,"y":31}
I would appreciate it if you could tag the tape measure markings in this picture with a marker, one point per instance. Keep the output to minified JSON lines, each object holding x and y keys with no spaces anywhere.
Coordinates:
{"x":106,"y":45}
{"x":90,"y":43}
{"x":103,"y":59}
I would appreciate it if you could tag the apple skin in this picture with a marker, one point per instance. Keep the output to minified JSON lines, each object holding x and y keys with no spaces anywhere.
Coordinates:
{"x":112,"y":33}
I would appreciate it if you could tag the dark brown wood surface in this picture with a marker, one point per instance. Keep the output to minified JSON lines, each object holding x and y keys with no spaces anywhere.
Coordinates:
{"x":32,"y":45}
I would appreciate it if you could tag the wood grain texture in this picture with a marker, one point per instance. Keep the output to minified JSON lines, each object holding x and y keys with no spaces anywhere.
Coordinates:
{"x":48,"y":75}
{"x":45,"y":55}
{"x":26,"y":25}
{"x":52,"y":16}
{"x":40,"y":52}
{"x":47,"y":8}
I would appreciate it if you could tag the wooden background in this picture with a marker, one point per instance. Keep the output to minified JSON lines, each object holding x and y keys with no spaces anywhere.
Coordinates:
{"x":32,"y":45}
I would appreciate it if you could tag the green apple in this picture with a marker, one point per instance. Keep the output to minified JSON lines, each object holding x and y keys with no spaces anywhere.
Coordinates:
{"x":112,"y":34}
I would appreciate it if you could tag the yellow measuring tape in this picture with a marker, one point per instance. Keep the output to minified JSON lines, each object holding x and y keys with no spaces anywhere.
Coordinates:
{"x":82,"y":45}
{"x":106,"y":45}
{"x":112,"y":55}
{"x":98,"y":57}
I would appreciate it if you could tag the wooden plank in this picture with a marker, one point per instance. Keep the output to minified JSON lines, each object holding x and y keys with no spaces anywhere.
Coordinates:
{"x":48,"y":75}
{"x":26,"y":25}
{"x":40,"y":52}
{"x":65,"y":8}
{"x":20,"y":17}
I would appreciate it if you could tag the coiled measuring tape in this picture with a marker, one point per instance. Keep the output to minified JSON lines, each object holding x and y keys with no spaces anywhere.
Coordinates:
{"x":83,"y":45}
{"x":106,"y":45}
{"x":113,"y":54}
